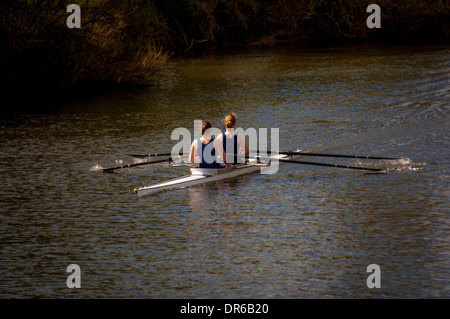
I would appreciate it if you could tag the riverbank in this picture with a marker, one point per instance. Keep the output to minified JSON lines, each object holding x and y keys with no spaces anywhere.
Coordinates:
{"x":122,"y":45}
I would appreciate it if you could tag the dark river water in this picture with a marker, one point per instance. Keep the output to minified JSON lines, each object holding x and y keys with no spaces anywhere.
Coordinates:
{"x":304,"y":232}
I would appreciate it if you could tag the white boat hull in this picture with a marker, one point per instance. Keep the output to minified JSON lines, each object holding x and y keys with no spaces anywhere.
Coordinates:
{"x":198,"y":176}
{"x":203,"y":175}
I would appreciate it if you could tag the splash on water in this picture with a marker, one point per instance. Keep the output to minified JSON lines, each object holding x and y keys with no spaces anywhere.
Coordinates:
{"x":402,"y":162}
{"x":405,"y":164}
{"x":96,"y":167}
{"x":141,"y":160}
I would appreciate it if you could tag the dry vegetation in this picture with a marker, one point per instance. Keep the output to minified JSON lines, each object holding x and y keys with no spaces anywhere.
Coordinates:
{"x":125,"y":42}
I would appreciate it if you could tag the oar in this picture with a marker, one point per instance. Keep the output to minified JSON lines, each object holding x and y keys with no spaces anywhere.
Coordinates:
{"x":338,"y":155}
{"x":134,"y":165}
{"x":331,"y":165}
{"x":152,"y":155}
{"x":149,"y":155}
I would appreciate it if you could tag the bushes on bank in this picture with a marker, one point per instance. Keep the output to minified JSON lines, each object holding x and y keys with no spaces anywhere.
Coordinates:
{"x":125,"y":42}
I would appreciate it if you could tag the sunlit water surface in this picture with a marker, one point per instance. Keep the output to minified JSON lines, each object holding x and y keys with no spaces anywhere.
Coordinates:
{"x":305,"y":232}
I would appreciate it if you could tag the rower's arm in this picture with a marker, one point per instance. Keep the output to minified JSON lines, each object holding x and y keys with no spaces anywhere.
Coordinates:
{"x":219,"y":150}
{"x":192,"y":152}
{"x":241,"y":141}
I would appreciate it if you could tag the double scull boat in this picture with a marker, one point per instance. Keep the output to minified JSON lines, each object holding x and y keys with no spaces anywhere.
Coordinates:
{"x":205,"y":175}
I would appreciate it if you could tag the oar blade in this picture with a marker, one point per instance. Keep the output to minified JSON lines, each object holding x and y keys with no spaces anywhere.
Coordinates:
{"x":111,"y":169}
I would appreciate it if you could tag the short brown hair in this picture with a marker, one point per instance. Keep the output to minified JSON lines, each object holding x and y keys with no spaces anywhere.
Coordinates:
{"x":230,"y":120}
{"x":205,"y":125}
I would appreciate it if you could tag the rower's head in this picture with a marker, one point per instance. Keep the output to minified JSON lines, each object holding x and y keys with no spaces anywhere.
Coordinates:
{"x":230,"y":120}
{"x":205,"y":125}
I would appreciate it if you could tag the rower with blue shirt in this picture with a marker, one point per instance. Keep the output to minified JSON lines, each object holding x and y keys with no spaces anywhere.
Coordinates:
{"x":233,"y":144}
{"x":207,"y":151}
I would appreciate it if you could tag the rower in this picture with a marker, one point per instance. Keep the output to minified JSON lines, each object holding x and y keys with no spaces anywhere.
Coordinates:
{"x":234,"y":145}
{"x":206,"y":150}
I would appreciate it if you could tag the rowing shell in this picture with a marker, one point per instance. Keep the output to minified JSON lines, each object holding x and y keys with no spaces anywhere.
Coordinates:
{"x":203,"y":175}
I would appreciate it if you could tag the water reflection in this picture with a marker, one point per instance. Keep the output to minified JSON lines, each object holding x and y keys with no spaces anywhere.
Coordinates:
{"x":304,"y":232}
{"x":212,"y":205}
